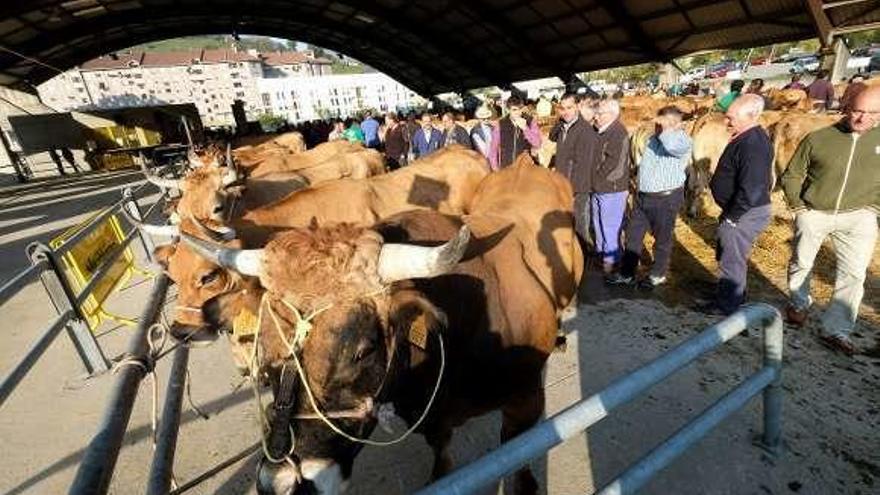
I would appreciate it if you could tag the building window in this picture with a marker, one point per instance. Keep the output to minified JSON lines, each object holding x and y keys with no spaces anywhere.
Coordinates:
{"x":236,"y":85}
{"x":102,"y":86}
{"x":266,"y":100}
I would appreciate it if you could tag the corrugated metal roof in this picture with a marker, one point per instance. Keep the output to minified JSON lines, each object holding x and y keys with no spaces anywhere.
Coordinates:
{"x":432,"y":47}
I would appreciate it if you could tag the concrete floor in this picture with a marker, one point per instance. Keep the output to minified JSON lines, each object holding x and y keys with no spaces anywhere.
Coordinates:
{"x":831,"y":444}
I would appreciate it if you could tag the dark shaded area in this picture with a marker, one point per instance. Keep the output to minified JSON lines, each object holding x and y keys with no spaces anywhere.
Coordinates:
{"x":461,"y":45}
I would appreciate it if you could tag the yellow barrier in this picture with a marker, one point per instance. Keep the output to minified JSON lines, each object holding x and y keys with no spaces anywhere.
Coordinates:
{"x":82,"y":260}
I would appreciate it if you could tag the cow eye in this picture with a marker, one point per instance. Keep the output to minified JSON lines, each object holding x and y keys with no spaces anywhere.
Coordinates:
{"x":364,"y":351}
{"x":210,"y":277}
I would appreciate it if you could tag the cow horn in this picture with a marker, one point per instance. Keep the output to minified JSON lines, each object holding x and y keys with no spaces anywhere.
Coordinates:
{"x":151,"y":229}
{"x":219,"y":233}
{"x":244,"y":261}
{"x":405,"y":261}
{"x":231,"y":175}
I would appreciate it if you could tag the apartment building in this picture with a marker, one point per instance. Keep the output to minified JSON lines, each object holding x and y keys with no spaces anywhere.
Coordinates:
{"x":302,"y":99}
{"x":211,"y":79}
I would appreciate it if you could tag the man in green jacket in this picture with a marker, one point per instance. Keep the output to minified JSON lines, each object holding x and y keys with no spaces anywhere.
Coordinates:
{"x":832,"y":185}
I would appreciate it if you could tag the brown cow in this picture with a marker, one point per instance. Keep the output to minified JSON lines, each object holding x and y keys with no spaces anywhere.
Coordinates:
{"x":446,"y":181}
{"x":211,"y":192}
{"x":791,"y":130}
{"x":382,"y":301}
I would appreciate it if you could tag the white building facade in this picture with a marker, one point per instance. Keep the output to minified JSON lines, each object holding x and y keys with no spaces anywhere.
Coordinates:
{"x":299,"y":99}
{"x":210,"y":79}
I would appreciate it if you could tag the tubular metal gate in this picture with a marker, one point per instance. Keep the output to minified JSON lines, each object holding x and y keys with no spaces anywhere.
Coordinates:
{"x":535,"y":442}
{"x":47,"y":266}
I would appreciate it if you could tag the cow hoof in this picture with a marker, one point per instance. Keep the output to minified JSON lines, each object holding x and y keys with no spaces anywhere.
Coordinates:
{"x":277,"y":479}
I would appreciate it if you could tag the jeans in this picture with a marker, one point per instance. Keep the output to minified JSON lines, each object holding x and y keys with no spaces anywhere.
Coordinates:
{"x":854,"y":234}
{"x":735,"y":244}
{"x":654,"y":212}
{"x":607,"y":212}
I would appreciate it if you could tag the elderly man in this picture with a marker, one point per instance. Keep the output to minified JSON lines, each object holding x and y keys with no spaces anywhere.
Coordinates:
{"x":610,"y":182}
{"x":831,"y":184}
{"x":661,"y":194}
{"x":741,"y":187}
{"x":576,"y":143}
{"x":515,"y":133}
{"x":426,"y":139}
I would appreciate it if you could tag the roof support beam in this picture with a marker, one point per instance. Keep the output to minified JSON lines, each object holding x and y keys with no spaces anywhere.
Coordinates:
{"x":820,"y":21}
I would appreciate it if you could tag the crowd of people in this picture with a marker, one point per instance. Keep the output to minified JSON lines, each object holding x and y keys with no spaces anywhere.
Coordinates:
{"x":831,"y":185}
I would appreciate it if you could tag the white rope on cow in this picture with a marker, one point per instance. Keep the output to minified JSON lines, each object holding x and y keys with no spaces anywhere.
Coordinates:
{"x":311,"y":396}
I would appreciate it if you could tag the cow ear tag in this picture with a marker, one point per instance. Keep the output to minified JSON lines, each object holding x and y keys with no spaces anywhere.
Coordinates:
{"x":418,"y":332}
{"x":244,"y":324}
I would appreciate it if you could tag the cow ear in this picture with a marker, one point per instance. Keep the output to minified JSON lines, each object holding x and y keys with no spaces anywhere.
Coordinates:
{"x":413,"y":319}
{"x":162,"y":253}
{"x":313,"y":224}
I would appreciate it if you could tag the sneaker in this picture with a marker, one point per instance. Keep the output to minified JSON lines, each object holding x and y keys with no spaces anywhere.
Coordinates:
{"x":618,"y":279}
{"x":840,"y":343}
{"x":795,"y":317}
{"x":651,"y":282}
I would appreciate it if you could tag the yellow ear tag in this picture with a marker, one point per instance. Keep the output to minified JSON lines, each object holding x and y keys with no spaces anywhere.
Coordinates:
{"x":418,"y":333}
{"x":244,"y":324}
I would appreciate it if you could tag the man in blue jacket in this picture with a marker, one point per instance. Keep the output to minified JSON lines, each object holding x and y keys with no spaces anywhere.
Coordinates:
{"x":661,"y":174}
{"x":741,"y":187}
{"x":370,"y":126}
{"x":426,"y":138}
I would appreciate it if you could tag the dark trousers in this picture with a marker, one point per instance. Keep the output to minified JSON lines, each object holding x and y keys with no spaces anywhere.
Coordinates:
{"x":582,"y":219}
{"x":655,"y":213}
{"x":734,"y":246}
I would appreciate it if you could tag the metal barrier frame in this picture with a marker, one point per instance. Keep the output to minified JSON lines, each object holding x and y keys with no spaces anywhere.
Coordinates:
{"x":45,"y":265}
{"x":535,"y":442}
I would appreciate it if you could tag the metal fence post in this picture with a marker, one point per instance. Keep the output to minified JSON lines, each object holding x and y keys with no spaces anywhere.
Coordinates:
{"x":162,"y":468}
{"x":63,"y":299}
{"x":773,"y":342}
{"x":129,"y":202}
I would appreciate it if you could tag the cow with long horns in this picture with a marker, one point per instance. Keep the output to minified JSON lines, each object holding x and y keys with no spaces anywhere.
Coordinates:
{"x":445,"y":318}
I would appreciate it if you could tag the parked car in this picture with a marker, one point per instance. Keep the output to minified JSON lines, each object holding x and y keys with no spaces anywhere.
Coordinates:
{"x":805,"y":65}
{"x":694,"y":74}
{"x":720,"y":69}
{"x":874,"y":63}
{"x":760,"y":60}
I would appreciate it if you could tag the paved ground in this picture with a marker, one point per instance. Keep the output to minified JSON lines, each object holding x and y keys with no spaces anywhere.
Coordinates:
{"x":830,"y":408}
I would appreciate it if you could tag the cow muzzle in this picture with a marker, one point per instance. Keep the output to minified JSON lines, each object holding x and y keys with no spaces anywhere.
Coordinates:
{"x":308,"y":477}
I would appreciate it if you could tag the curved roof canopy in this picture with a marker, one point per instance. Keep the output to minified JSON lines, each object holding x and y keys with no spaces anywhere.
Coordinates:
{"x":432,"y":46}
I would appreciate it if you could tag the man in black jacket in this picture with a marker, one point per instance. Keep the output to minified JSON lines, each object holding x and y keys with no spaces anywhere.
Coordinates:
{"x":741,"y":187}
{"x":575,"y":155}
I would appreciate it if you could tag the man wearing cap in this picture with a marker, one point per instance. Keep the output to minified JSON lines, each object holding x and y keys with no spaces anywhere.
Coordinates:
{"x":481,"y":134}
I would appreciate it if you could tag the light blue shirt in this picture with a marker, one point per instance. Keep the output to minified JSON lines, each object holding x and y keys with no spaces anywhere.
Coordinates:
{"x":665,"y":161}
{"x":370,"y":127}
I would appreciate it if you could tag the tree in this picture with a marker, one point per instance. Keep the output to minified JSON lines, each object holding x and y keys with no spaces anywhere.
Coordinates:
{"x":270,"y":122}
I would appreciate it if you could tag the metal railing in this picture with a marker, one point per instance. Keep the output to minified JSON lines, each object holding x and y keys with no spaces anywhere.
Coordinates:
{"x":535,"y":442}
{"x":46,"y":265}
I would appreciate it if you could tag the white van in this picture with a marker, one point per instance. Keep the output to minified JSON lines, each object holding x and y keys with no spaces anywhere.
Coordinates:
{"x":694,"y":74}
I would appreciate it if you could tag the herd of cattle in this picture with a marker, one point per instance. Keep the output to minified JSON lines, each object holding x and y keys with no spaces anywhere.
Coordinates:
{"x":437,"y":287}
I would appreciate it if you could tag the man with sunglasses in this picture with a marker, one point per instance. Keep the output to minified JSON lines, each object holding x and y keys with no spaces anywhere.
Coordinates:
{"x":832,"y":185}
